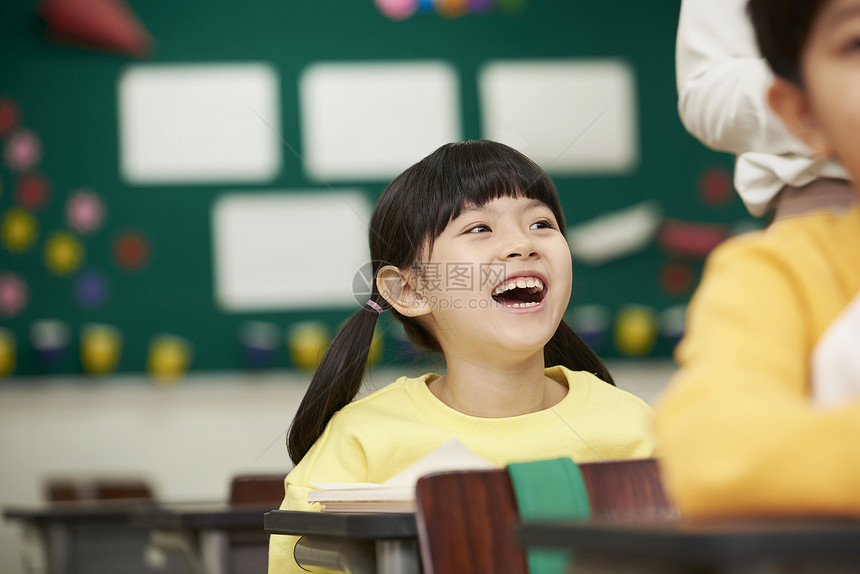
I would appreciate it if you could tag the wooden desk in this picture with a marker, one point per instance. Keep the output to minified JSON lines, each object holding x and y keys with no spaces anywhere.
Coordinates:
{"x":739,"y":545}
{"x":366,"y":543}
{"x":206,"y":534}
{"x":88,"y":537}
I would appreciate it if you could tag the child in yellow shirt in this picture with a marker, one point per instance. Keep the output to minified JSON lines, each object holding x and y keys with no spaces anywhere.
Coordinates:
{"x":469,"y":254}
{"x":763,"y":413}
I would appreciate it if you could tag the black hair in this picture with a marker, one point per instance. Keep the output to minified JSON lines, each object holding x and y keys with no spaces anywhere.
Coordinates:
{"x":410,"y":214}
{"x":782,"y":28}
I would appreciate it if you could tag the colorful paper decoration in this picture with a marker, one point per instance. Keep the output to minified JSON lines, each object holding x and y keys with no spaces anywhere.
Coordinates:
{"x":397,"y":9}
{"x":403,"y":9}
{"x":8,"y":352}
{"x":13,"y":294}
{"x":9,"y":116}
{"x":50,"y":340}
{"x":84,"y":211}
{"x":683,"y":238}
{"x":676,"y":279}
{"x":673,"y":323}
{"x":105,"y":24}
{"x":101,"y":348}
{"x":63,"y":253}
{"x":715,"y":187}
{"x":591,"y":323}
{"x":131,"y":250}
{"x":615,"y":235}
{"x":169,"y":358}
{"x":91,"y":289}
{"x":306,"y":343}
{"x":478,"y":6}
{"x":635,"y":330}
{"x":18,"y":230}
{"x":259,"y":342}
{"x":32,"y":191}
{"x":23,"y":151}
{"x":452,"y":8}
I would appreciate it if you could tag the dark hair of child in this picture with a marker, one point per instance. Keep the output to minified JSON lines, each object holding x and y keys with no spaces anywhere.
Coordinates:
{"x":782,"y":28}
{"x":410,"y":214}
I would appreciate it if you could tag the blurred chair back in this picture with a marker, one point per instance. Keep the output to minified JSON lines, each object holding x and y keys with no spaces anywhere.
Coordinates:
{"x":466,"y":523}
{"x":72,"y":490}
{"x":467,"y":519}
{"x":249,"y":547}
{"x":627,"y":489}
{"x":257,"y":490}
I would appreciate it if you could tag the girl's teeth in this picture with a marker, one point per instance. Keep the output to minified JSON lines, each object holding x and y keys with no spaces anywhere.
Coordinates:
{"x":532,"y":283}
{"x":529,"y":304}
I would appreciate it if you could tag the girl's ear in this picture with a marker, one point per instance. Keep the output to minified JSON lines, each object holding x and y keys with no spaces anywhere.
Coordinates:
{"x":791,"y":103}
{"x":397,"y":288}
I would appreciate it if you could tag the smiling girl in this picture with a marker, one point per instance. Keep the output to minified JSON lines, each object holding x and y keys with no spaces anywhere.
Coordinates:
{"x":470,"y":256}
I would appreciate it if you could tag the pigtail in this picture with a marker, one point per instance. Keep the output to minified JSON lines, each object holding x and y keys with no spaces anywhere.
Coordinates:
{"x":335,"y":383}
{"x":566,"y":348}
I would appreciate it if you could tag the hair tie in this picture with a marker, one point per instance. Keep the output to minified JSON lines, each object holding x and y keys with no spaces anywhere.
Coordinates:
{"x":373,"y":305}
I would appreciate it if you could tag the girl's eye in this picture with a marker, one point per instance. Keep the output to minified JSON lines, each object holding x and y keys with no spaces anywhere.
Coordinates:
{"x":542,"y":224}
{"x":479,"y":229}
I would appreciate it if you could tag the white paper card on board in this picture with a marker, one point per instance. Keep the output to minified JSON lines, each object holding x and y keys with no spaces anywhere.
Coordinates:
{"x":569,"y":116}
{"x":199,"y":123}
{"x":289,"y":250}
{"x":370,"y":121}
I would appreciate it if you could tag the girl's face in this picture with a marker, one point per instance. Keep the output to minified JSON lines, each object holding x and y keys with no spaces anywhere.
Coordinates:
{"x":497,"y":281}
{"x":831,"y":72}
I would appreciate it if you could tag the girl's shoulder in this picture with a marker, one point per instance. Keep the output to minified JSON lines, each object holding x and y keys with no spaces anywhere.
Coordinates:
{"x":590,"y":390}
{"x":392,"y":396}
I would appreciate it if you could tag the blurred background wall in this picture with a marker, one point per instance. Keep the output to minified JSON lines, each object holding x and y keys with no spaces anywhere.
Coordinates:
{"x":185,"y":186}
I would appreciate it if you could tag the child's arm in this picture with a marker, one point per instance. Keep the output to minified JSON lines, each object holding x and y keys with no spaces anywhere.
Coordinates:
{"x":739,"y":432}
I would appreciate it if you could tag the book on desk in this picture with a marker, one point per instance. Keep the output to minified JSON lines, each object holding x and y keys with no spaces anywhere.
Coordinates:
{"x":396,"y":494}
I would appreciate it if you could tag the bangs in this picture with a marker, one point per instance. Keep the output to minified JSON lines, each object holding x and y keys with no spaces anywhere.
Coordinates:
{"x":419,"y":204}
{"x":471,"y":174}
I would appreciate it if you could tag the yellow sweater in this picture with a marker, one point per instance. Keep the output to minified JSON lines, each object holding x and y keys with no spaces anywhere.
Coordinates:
{"x":739,"y":432}
{"x":374,"y":438}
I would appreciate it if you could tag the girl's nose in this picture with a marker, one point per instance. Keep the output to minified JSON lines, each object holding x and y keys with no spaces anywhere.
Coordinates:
{"x":521,"y":247}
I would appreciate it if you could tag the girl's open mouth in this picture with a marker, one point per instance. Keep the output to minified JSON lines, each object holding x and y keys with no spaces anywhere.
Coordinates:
{"x":520,"y":292}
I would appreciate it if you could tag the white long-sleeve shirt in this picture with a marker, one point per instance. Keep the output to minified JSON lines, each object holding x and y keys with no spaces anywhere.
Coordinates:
{"x":722,"y":100}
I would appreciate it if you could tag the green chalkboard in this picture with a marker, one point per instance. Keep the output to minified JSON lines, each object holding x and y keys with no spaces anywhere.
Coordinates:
{"x":68,"y":97}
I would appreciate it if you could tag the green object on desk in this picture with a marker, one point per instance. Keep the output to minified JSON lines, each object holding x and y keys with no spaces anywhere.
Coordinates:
{"x":548,"y":489}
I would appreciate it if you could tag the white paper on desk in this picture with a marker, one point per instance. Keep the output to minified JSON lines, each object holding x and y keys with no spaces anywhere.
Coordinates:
{"x":450,"y":456}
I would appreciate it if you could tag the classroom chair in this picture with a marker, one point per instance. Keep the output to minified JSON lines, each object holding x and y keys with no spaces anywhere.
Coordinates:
{"x":467,"y":519}
{"x":257,"y":490}
{"x":114,"y":489}
{"x":99,"y":539}
{"x":249,"y":547}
